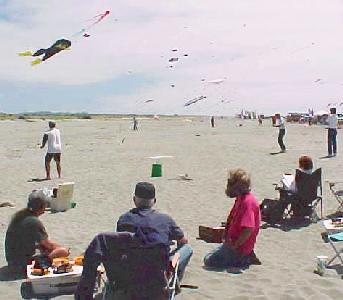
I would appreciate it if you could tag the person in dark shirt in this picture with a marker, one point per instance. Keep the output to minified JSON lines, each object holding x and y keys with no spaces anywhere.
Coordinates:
{"x":26,"y":233}
{"x":153,"y":227}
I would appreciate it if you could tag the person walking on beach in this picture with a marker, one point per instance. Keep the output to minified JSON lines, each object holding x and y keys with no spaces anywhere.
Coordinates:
{"x":280,"y":123}
{"x":212,"y":121}
{"x":242,"y":226}
{"x":53,"y":138}
{"x":135,"y":124}
{"x":332,"y":132}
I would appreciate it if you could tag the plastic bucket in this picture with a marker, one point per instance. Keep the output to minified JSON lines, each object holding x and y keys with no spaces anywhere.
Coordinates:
{"x":156,"y":170}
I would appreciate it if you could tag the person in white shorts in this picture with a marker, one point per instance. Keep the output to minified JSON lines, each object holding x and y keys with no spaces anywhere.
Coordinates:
{"x":53,"y":138}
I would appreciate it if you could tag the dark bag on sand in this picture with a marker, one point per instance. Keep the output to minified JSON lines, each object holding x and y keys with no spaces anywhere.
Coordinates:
{"x":271,"y":211}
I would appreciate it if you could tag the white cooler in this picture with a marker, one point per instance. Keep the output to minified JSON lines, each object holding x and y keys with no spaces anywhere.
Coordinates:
{"x":54,"y":283}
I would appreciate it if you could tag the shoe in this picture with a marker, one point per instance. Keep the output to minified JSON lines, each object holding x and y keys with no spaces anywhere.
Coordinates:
{"x":254,"y":260}
{"x":283,"y":151}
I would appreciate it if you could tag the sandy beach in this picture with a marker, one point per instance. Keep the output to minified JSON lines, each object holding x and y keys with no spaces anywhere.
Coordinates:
{"x":105,"y":159}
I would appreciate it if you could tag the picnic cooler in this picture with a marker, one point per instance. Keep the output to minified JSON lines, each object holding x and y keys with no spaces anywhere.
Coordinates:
{"x":62,"y":202}
{"x":211,"y":234}
{"x":65,"y":283}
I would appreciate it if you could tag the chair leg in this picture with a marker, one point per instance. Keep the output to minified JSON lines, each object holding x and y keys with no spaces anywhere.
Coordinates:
{"x":338,"y":253}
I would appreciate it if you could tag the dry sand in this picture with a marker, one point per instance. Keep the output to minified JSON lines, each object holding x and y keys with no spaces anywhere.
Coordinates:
{"x":105,"y":171}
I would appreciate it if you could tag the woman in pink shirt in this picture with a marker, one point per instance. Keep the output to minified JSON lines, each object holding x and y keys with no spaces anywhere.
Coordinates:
{"x":242,"y":226}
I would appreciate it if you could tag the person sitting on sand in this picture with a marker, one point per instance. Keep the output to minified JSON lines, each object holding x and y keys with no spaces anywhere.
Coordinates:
{"x":53,"y":138}
{"x":26,"y":233}
{"x":163,"y":228}
{"x":242,"y":226}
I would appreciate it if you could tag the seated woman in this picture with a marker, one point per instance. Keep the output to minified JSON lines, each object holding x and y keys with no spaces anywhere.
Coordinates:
{"x":26,"y":233}
{"x":305,"y":166}
{"x":242,"y":227}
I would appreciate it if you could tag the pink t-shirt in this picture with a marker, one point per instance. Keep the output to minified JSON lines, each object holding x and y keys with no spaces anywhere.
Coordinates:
{"x":245,"y":214}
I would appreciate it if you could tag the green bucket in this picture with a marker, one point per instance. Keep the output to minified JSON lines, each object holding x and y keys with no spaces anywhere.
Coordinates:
{"x":156,"y":170}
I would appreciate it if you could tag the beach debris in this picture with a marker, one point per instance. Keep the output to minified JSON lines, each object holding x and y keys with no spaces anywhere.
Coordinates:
{"x":7,"y":204}
{"x":57,"y":47}
{"x":182,"y":177}
{"x":157,"y":157}
{"x":123,"y":140}
{"x":197,"y":135}
{"x":195,"y":100}
{"x":173,"y":59}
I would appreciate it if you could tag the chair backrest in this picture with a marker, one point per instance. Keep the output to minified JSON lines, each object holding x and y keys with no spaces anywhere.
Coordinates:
{"x":307,"y":186}
{"x":128,"y":265}
{"x":64,"y":196}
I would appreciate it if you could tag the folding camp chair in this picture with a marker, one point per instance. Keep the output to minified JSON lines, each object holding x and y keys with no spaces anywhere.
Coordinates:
{"x":333,"y":238}
{"x":338,"y":194}
{"x":133,"y":271}
{"x":302,"y":203}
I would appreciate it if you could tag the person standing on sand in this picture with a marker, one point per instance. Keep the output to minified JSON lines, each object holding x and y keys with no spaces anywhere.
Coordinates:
{"x":280,"y":123}
{"x":212,"y":121}
{"x":135,"y":124}
{"x":332,"y":132}
{"x":53,"y":138}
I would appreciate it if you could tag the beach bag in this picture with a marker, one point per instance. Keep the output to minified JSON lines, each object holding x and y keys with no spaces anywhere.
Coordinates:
{"x":270,"y":211}
{"x":211,"y":234}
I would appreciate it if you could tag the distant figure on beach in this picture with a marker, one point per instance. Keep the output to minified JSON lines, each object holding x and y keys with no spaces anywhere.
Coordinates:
{"x":242,"y":226}
{"x":157,"y":228}
{"x":260,"y":120}
{"x":26,"y":234}
{"x":53,"y":138}
{"x":280,"y":123}
{"x":212,"y":121}
{"x":332,"y":132}
{"x":135,"y":124}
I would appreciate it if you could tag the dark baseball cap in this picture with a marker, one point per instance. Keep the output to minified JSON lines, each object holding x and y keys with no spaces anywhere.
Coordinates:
{"x":36,"y":200}
{"x":145,"y":190}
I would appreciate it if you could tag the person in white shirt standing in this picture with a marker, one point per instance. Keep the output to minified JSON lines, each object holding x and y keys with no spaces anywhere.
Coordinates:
{"x":53,"y":138}
{"x":280,"y":123}
{"x":332,"y":132}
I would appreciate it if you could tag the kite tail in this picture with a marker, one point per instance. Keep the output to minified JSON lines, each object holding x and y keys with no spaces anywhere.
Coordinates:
{"x":26,"y":53}
{"x":36,"y":62}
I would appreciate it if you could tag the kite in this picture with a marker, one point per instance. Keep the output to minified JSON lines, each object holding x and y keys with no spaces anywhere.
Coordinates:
{"x":173,"y":59}
{"x":63,"y":44}
{"x":195,"y":100}
{"x":317,"y":80}
{"x":217,"y":81}
{"x":57,"y":47}
{"x":150,"y":100}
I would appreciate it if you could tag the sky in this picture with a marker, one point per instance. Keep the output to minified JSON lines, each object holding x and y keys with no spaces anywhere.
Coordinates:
{"x":273,"y":56}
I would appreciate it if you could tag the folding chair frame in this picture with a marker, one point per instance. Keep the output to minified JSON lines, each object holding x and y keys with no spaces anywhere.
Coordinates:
{"x":338,"y":252}
{"x":336,"y":195}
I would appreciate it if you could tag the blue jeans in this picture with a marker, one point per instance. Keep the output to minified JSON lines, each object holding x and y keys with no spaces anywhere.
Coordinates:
{"x":224,"y":256}
{"x":332,"y":144}
{"x":185,"y":252}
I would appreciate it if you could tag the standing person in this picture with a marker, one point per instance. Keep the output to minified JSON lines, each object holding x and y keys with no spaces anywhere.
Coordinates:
{"x":158,"y":228}
{"x":332,"y":132}
{"x":53,"y":138}
{"x":260,"y":120}
{"x":280,"y":123}
{"x":242,"y":226}
{"x":26,"y":233}
{"x":212,"y":121}
{"x":135,"y":124}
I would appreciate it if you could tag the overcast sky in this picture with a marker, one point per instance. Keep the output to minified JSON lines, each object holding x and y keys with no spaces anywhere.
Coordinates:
{"x":274,"y":56}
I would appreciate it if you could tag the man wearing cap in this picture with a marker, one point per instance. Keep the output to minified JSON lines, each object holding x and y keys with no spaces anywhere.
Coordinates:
{"x":53,"y":138}
{"x":158,"y":228}
{"x":26,"y":233}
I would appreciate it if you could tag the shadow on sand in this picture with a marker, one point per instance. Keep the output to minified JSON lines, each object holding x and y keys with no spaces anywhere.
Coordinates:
{"x":37,"y":179}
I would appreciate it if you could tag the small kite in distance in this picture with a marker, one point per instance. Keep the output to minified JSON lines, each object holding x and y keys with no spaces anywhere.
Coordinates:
{"x":173,"y":59}
{"x":317,"y":80}
{"x":217,"y":81}
{"x":57,"y":47}
{"x":86,"y":35}
{"x":148,"y":101}
{"x":195,"y":100}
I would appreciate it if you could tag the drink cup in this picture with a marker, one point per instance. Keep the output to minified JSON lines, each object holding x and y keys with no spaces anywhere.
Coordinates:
{"x":321,"y":264}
